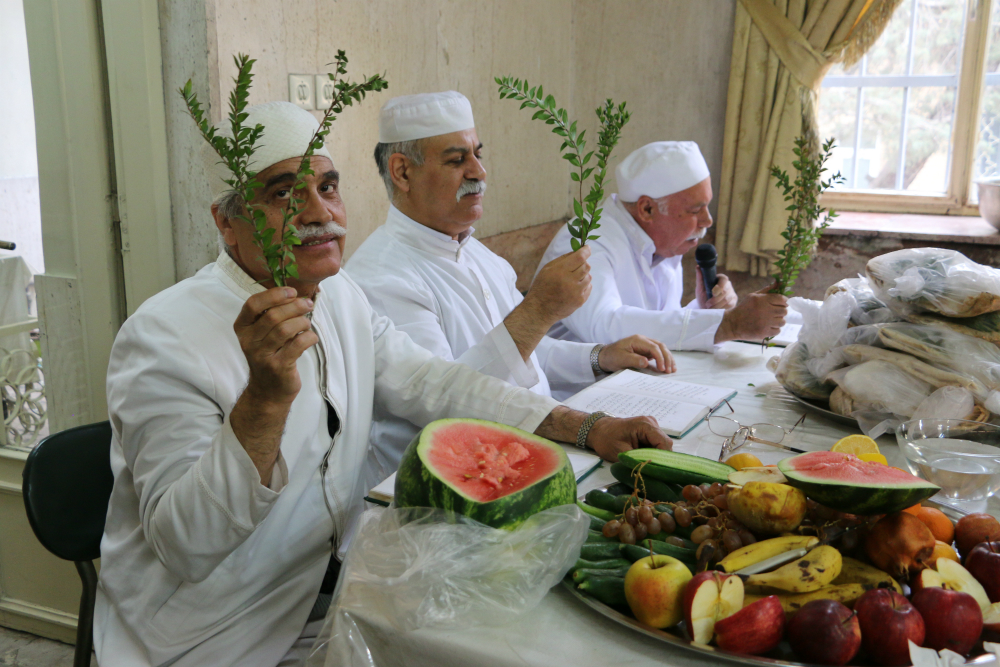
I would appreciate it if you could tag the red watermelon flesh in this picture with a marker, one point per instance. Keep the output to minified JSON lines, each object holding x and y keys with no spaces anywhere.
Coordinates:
{"x":839,"y":467}
{"x":489,"y":465}
{"x":846,"y":483}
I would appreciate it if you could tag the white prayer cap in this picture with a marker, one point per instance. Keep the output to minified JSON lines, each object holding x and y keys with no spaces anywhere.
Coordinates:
{"x":660,"y":169}
{"x":287,"y":131}
{"x":425,"y":115}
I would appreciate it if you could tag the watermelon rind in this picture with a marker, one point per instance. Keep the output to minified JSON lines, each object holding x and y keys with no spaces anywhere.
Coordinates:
{"x":418,"y":486}
{"x":676,"y":467}
{"x":877,"y":497}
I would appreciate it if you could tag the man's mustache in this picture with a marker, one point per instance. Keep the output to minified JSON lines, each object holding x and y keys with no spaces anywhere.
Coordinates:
{"x":470,"y":187}
{"x":326,"y":229}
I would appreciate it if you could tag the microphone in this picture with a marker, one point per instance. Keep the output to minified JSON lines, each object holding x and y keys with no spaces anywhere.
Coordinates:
{"x":7,"y":245}
{"x":706,"y":256}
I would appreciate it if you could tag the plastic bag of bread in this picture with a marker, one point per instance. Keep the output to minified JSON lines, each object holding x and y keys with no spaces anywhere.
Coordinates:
{"x":940,"y":281}
{"x":879,"y":384}
{"x":867,"y":308}
{"x":791,"y":372}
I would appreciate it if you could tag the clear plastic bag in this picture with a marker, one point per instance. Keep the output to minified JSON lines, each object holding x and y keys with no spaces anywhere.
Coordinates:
{"x":792,"y":372}
{"x":946,"y":403}
{"x":936,"y":280}
{"x":868,"y":309}
{"x":415,"y":568}
{"x":823,"y":324}
{"x":971,"y":357}
{"x":879,"y":385}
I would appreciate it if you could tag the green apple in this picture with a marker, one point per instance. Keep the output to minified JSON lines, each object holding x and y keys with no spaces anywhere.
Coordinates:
{"x":654,"y":589}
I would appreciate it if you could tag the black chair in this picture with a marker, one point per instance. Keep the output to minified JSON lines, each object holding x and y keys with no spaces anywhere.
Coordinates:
{"x":67,"y":486}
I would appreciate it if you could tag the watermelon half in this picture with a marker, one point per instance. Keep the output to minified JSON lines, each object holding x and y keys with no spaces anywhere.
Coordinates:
{"x":846,"y":483}
{"x":495,"y":474}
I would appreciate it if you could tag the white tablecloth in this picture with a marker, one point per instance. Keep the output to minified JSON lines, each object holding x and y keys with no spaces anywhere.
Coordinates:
{"x":563,"y":631}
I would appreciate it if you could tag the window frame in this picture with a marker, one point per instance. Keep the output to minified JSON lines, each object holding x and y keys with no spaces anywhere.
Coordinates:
{"x":964,"y":136}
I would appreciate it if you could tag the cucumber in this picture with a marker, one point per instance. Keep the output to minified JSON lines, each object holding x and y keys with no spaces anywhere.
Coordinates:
{"x":665,"y":549}
{"x":675,"y":467}
{"x":596,"y":524}
{"x":595,"y":537}
{"x":599,"y":551}
{"x":594,"y":511}
{"x":608,"y":564}
{"x":602,"y":500}
{"x":656,"y":490}
{"x":619,"y":488}
{"x":609,"y":590}
{"x":634,"y":552}
{"x":584,"y":573}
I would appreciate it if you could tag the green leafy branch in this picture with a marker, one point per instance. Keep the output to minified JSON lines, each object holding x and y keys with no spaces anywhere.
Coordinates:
{"x":236,"y":151}
{"x":612,"y":119}
{"x":802,"y":232}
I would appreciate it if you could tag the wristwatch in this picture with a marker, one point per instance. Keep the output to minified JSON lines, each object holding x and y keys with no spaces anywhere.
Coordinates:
{"x":588,"y":423}
{"x":595,"y":355}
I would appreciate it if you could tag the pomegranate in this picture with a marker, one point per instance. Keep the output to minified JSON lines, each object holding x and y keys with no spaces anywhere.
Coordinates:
{"x":900,"y":544}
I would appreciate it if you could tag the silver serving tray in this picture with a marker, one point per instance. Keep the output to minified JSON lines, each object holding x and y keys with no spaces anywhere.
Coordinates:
{"x":675,"y":637}
{"x":823,"y":412}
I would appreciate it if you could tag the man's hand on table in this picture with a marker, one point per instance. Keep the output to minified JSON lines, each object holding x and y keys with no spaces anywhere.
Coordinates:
{"x":608,"y":436}
{"x":759,"y":316}
{"x":636,"y":352}
{"x":273,"y":332}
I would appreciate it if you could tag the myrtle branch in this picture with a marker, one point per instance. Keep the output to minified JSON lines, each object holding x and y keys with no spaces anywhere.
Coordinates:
{"x":612,"y":119}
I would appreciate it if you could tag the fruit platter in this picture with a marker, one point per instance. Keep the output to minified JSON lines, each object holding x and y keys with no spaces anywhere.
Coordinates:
{"x":827,"y":558}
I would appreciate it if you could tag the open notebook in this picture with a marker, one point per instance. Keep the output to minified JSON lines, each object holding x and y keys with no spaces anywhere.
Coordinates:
{"x":582,"y":462}
{"x":677,"y":406}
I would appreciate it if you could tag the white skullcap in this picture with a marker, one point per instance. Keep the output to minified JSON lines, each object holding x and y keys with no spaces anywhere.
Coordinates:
{"x":287,"y":131}
{"x":426,"y":115}
{"x":660,"y":169}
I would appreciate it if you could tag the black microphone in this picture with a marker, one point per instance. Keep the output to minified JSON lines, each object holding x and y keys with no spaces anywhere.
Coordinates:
{"x":706,"y":256}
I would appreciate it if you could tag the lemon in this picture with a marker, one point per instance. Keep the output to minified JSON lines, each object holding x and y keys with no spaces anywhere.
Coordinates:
{"x":856,"y":444}
{"x":876,"y":458}
{"x":744,"y":460}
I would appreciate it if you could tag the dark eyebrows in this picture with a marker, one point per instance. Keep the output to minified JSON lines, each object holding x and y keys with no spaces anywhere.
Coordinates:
{"x":332,"y":175}
{"x":287,"y":177}
{"x":462,"y":150}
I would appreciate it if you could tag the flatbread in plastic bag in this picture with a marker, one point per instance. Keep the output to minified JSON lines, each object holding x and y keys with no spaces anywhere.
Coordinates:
{"x":985,"y":326}
{"x":867,"y":309}
{"x":879,"y":383}
{"x":937,"y":280}
{"x":792,"y":373}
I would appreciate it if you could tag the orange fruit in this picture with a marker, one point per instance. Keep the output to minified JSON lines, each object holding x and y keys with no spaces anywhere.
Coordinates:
{"x":942,"y":550}
{"x":915,"y":510}
{"x":940,"y":525}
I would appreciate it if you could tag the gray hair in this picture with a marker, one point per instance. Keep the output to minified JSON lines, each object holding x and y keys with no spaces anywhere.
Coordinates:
{"x":230,"y":205}
{"x":411,"y":150}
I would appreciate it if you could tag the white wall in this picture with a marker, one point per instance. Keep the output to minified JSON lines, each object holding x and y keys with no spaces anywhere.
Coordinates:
{"x":20,"y":220}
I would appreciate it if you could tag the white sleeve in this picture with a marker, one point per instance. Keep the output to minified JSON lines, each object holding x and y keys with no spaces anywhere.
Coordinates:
{"x":605,"y":319}
{"x":200,"y":496}
{"x":565,"y":362}
{"x":413,"y":310}
{"x":412,"y":383}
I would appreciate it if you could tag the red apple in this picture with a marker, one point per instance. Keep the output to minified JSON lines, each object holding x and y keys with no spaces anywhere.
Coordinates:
{"x":708,"y":598}
{"x":983,"y":563}
{"x":954,"y":620}
{"x":973,"y":529}
{"x":654,"y":590}
{"x":755,"y":629}
{"x":991,"y":618}
{"x":825,"y":632}
{"x":888,"y":621}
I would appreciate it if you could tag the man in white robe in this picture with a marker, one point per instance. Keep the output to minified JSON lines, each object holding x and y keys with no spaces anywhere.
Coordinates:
{"x":241,"y":417}
{"x":660,"y":213}
{"x":455,"y":297}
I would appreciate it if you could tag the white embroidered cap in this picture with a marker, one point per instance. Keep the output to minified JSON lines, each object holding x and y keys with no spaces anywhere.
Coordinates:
{"x":660,"y":169}
{"x":425,"y":115}
{"x":287,"y":131}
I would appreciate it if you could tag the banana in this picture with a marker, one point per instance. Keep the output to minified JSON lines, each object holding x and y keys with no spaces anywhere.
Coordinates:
{"x":856,"y":572}
{"x":759,"y":551}
{"x":816,"y":569}
{"x":846,"y":594}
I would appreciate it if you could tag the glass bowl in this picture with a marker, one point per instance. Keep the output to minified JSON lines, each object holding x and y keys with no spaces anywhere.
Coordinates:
{"x":962,"y":457}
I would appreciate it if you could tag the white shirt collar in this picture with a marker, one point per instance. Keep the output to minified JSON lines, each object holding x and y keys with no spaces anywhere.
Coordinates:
{"x":235,"y":277}
{"x":637,"y":236}
{"x":421,"y":237}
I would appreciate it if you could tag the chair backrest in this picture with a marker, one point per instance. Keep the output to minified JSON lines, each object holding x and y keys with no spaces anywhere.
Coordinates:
{"x":67,"y":486}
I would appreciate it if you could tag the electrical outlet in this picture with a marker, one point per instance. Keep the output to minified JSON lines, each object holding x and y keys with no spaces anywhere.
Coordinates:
{"x":300,"y":90}
{"x":324,"y":91}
